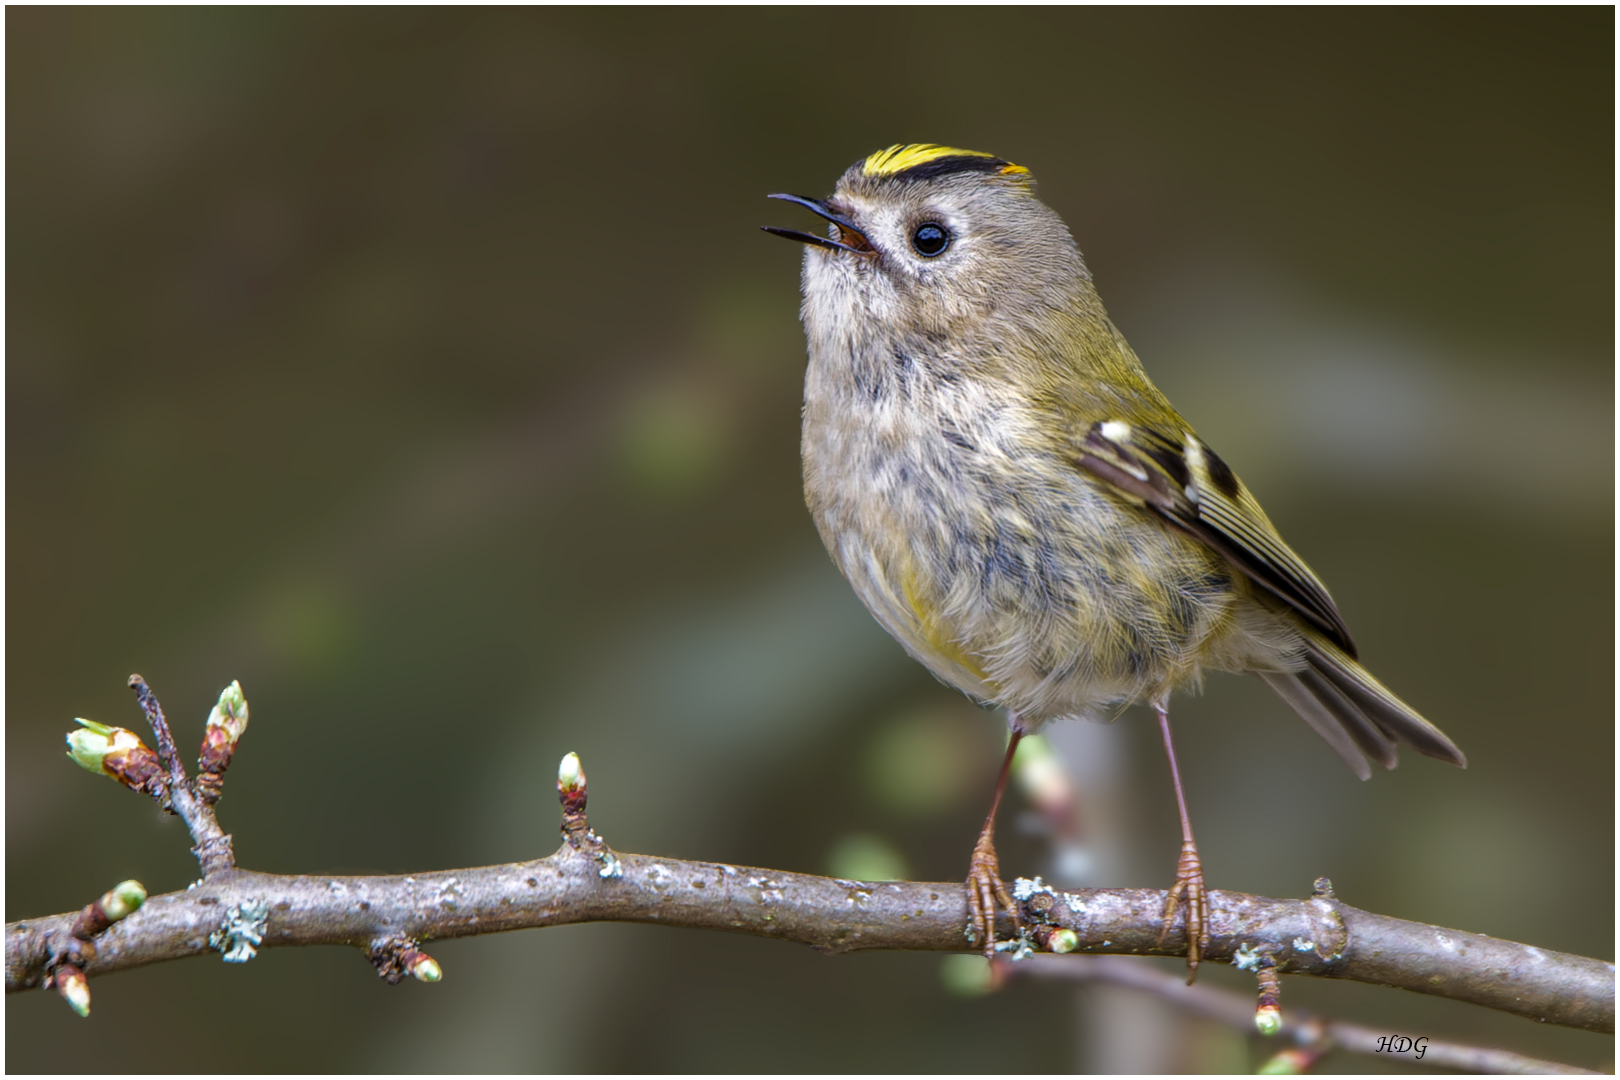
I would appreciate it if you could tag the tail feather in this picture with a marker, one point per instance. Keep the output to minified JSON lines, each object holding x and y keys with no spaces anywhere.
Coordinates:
{"x":1354,"y":712}
{"x":1370,"y":736}
{"x":1314,"y":713}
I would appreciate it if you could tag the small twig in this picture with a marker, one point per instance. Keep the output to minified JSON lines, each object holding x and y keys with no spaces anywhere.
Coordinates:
{"x":160,"y":728}
{"x":213,"y":845}
{"x":1298,"y":1026}
{"x":1268,"y":1010}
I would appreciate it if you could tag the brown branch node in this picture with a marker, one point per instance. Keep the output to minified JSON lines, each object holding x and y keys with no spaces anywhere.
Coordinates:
{"x":70,"y":949}
{"x":396,"y":956}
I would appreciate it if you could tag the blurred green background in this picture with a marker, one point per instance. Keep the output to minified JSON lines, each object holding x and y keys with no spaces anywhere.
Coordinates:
{"x":426,"y":372}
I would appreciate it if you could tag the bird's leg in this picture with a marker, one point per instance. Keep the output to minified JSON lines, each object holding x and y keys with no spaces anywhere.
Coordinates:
{"x":1189,"y":870}
{"x":984,"y":872}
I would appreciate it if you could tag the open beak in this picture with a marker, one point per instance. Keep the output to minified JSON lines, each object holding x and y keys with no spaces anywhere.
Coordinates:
{"x":851,"y":238}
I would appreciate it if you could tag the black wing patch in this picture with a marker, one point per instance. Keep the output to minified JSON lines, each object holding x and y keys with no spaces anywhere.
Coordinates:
{"x":1190,"y":487}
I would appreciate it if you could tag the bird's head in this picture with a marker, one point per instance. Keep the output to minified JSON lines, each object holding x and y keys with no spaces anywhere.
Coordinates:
{"x":934,"y":241}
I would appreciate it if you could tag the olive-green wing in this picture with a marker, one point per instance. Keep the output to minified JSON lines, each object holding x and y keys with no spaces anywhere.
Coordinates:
{"x":1171,"y":472}
{"x":1174,"y":474}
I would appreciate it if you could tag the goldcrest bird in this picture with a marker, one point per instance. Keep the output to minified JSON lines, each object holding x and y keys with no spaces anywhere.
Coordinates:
{"x":1015,"y":501}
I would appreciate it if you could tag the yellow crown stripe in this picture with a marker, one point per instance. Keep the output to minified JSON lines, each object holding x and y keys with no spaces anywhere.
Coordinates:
{"x":903,"y":156}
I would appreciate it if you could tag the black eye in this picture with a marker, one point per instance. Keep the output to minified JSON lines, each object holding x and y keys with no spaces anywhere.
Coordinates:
{"x":930,"y":238}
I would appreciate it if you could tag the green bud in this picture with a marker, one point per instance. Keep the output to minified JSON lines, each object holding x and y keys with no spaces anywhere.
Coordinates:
{"x":91,"y":746}
{"x":570,"y":775}
{"x":1268,"y":1020}
{"x":425,"y":968}
{"x":123,"y":900}
{"x":1063,"y":941}
{"x":75,"y":989}
{"x":231,"y":712}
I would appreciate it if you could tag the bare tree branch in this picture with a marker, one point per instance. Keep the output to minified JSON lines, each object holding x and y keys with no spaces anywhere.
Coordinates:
{"x":235,"y":912}
{"x":1315,"y":1035}
{"x":1321,"y":936}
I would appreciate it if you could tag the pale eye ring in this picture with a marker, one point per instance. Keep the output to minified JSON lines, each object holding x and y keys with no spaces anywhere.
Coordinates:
{"x":930,"y":239}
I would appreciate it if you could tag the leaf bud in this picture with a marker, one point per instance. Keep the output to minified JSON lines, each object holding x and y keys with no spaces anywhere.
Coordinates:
{"x":74,"y":988}
{"x":226,"y":722}
{"x":571,"y":784}
{"x":115,"y":752}
{"x":123,"y":900}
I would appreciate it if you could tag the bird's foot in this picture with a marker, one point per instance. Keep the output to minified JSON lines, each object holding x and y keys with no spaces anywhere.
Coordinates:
{"x":985,"y":893}
{"x":1189,"y":886}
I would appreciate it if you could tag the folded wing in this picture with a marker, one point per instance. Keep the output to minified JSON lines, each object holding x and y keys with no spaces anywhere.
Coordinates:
{"x":1173,"y":474}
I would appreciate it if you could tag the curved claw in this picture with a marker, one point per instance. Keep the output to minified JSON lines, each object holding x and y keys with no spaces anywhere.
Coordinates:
{"x":1189,"y":886}
{"x":987,"y":894}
